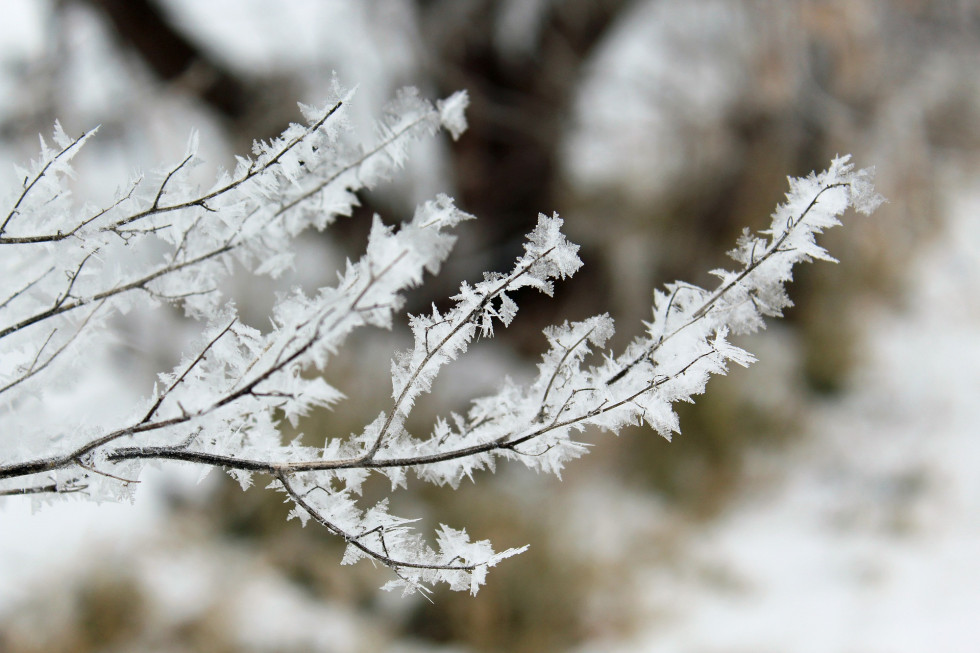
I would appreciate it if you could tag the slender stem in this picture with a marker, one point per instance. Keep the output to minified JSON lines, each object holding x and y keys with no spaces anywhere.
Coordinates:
{"x":200,"y":357}
{"x":250,"y":174}
{"x":29,"y":186}
{"x":350,"y":166}
{"x":725,"y":288}
{"x":430,"y":353}
{"x":355,"y":541}
{"x":64,"y":307}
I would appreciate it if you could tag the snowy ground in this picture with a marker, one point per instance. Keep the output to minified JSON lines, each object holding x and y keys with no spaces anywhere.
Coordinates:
{"x":866,"y":538}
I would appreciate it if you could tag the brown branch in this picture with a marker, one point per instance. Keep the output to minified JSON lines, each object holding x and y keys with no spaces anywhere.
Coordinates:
{"x":74,"y":457}
{"x":360,"y":462}
{"x":51,"y":488}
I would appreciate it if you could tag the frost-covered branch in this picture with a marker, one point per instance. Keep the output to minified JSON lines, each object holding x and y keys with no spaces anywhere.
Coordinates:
{"x":163,"y":240}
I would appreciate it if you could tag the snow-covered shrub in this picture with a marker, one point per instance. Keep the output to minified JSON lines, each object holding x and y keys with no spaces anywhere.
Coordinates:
{"x":67,"y":269}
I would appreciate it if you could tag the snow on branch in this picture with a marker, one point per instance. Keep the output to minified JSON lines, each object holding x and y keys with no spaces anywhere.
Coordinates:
{"x":68,"y":269}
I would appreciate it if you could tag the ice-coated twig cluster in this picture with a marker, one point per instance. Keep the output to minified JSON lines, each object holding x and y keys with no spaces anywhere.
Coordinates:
{"x":66,"y":270}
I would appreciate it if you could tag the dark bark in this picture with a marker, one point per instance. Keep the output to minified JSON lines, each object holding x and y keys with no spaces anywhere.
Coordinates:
{"x":173,"y":57}
{"x":507,"y":164}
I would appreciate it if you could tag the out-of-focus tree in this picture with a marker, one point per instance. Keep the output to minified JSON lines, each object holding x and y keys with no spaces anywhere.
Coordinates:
{"x":784,"y":87}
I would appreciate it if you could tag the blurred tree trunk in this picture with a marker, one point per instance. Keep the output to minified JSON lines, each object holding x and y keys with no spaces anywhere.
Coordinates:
{"x":521,"y":99}
{"x":173,"y":57}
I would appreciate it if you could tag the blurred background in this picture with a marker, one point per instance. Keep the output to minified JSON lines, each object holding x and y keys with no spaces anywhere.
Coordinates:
{"x":825,"y":499}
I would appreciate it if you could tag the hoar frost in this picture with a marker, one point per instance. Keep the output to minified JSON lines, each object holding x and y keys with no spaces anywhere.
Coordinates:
{"x":68,"y":269}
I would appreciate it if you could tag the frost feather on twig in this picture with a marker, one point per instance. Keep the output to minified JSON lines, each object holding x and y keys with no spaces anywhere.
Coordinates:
{"x":67,"y":270}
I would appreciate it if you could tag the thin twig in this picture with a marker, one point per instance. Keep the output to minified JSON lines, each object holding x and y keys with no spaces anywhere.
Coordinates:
{"x":200,"y":357}
{"x":28,"y":187}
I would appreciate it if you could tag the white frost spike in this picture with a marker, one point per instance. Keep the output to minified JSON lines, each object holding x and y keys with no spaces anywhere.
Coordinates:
{"x":193,"y":144}
{"x":452,"y":113}
{"x":61,"y":139}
